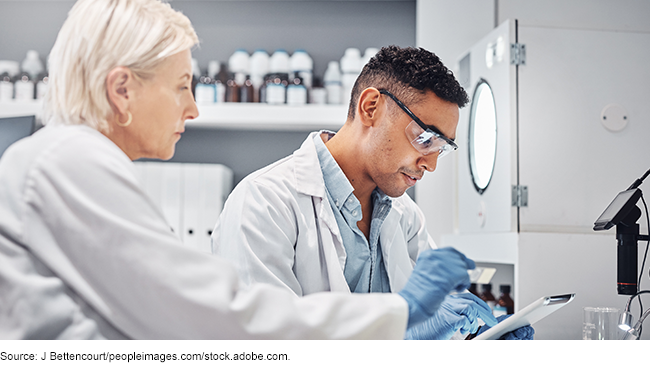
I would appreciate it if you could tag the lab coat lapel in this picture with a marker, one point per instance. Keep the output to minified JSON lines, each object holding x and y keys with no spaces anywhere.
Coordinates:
{"x":309,"y":181}
{"x":394,"y":250}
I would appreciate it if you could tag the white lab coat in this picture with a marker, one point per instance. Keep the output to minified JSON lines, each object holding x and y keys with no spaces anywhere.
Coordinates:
{"x":278,"y":227}
{"x":85,"y":254}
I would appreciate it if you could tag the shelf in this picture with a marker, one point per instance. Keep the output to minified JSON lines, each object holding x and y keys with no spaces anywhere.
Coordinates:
{"x":234,"y":115}
{"x":270,"y":117}
{"x":21,"y":108}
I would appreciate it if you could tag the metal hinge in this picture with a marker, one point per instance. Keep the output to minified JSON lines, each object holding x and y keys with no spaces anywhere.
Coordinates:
{"x":517,"y":54}
{"x":519,"y":196}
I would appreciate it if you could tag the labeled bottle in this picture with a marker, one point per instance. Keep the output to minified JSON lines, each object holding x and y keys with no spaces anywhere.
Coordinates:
{"x":232,"y":89}
{"x":279,"y":62}
{"x":42,"y":85}
{"x":487,"y":296}
{"x":296,"y":92}
{"x":276,"y":88}
{"x":6,"y":87}
{"x":332,"y":82}
{"x":259,"y":63}
{"x":247,"y":91}
{"x":472,"y":289}
{"x":350,"y":70}
{"x":318,"y":94}
{"x":302,"y":66}
{"x":219,"y":73}
{"x":205,"y":90}
{"x":24,"y":87}
{"x":32,"y":64}
{"x":239,"y":62}
{"x":367,"y":55}
{"x":8,"y":71}
{"x":505,"y":304}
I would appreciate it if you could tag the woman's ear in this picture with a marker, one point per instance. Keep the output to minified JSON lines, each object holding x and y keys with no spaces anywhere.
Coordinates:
{"x":368,"y":108}
{"x":118,"y":85}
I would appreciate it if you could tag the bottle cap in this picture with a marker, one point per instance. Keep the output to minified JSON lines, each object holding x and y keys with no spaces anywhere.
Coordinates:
{"x":505,"y":289}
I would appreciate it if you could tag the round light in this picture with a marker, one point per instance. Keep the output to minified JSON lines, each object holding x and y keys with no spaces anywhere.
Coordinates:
{"x":482,"y":136}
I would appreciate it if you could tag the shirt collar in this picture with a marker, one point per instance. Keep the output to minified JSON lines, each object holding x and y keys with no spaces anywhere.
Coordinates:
{"x":336,"y":183}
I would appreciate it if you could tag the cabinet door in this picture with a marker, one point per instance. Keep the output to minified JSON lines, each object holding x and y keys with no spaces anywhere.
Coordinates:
{"x":571,"y":162}
{"x":487,"y":135}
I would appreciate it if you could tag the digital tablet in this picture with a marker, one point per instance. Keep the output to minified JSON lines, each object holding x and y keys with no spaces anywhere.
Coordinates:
{"x":537,"y":310}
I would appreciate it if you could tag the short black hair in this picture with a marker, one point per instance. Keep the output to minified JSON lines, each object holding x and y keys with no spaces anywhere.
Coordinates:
{"x":407,"y":73}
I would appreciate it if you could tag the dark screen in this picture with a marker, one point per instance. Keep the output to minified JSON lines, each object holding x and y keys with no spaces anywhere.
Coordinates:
{"x":13,"y":129}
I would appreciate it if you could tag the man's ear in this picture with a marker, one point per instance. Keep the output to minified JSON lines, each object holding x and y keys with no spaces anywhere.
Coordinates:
{"x":368,"y":107}
{"x":118,"y":88}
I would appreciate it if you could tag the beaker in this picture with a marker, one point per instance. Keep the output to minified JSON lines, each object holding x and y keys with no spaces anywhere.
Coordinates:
{"x":601,"y":323}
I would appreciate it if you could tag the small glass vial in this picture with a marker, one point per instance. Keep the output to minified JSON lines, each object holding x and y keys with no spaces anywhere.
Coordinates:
{"x":247,"y":91}
{"x":505,"y":304}
{"x":487,"y":296}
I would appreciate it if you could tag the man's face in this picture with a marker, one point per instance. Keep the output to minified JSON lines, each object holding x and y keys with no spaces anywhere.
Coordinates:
{"x":395,"y":165}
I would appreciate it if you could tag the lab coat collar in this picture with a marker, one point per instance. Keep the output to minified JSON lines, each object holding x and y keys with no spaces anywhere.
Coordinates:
{"x":309,"y":177}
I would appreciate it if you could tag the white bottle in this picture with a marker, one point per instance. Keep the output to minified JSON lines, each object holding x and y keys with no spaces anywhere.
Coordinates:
{"x":24,"y":88}
{"x":296,"y":92}
{"x":42,"y":86}
{"x":239,"y":64}
{"x":8,"y":70}
{"x":32,"y":64}
{"x":350,"y":68}
{"x":259,"y":67}
{"x":205,"y":93}
{"x":367,"y":55}
{"x":279,"y":62}
{"x":332,"y":82}
{"x":302,"y":66}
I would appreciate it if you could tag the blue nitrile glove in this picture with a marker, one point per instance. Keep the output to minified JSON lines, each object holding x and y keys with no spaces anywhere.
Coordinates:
{"x":521,"y":333}
{"x":457,"y":312}
{"x":436,"y":273}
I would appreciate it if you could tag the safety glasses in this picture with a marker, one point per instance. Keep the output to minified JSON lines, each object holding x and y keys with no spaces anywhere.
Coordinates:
{"x":425,"y":139}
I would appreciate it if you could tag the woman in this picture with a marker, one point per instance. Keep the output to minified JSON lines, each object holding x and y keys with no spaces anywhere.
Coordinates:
{"x":85,"y":254}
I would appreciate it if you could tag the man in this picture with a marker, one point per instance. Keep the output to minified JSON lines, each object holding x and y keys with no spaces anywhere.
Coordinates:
{"x":334,"y":216}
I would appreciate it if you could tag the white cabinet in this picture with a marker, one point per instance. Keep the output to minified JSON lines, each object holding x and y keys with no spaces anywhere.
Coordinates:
{"x":552,"y":141}
{"x":191,"y":196}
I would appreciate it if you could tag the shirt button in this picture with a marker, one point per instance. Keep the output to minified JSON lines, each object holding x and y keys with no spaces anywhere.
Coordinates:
{"x":354,"y":213}
{"x":350,"y":201}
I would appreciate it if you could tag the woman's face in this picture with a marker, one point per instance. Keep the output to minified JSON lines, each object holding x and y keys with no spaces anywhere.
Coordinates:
{"x":160,"y":106}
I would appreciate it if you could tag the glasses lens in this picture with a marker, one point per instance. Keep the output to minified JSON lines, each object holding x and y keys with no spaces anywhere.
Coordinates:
{"x":427,"y":142}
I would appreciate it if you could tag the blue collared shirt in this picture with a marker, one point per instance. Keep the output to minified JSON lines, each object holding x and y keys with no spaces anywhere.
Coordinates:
{"x":364,"y":266}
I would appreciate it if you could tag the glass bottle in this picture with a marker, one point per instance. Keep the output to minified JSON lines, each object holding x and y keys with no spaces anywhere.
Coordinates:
{"x":505,"y":304}
{"x":247,"y":91}
{"x":487,"y":296}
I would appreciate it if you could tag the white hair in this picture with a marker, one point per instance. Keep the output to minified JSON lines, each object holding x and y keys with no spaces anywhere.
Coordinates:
{"x":98,"y":36}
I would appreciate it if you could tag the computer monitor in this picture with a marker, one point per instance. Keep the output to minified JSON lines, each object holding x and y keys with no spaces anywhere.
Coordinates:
{"x":15,"y":128}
